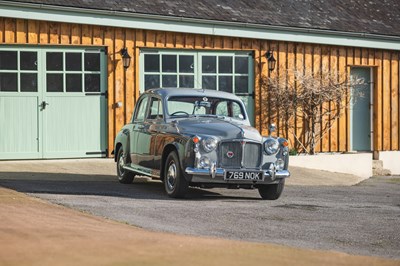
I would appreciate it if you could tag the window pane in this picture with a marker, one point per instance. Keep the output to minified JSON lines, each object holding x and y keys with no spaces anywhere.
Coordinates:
{"x":28,"y":60}
{"x":74,"y":83}
{"x":74,"y":61}
{"x":92,"y":82}
{"x":225,"y":64}
{"x":169,"y":81}
{"x":151,"y":81}
{"x":92,"y":62}
{"x":151,"y":63}
{"x":209,"y":82}
{"x":242,"y":65}
{"x":8,"y":60}
{"x":54,"y":61}
{"x":225,"y":83}
{"x":186,"y":81}
{"x":8,"y":82}
{"x":156,"y":111}
{"x":186,"y":64}
{"x":55,"y":83}
{"x":169,"y":63}
{"x":209,"y":64}
{"x":142,"y":109}
{"x":29,"y":82}
{"x":241,"y":84}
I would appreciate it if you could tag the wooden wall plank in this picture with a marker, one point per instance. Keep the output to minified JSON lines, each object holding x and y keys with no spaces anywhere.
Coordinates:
{"x":109,"y":42}
{"x":395,"y":101}
{"x":299,"y":130}
{"x":33,"y":31}
{"x":9,"y":30}
{"x":357,"y":56}
{"x":325,"y":64}
{"x":139,"y":42}
{"x":343,"y":133}
{"x":54,"y":33}
{"x":386,"y":94}
{"x":349,"y":63}
{"x":199,"y":41}
{"x":119,"y":88}
{"x":236,"y":43}
{"x":160,"y":39}
{"x":98,"y":35}
{"x":208,"y":42}
{"x":150,"y":40}
{"x":257,"y":79}
{"x":190,"y":41}
{"x":334,"y":141}
{"x":364,"y":57}
{"x":65,"y":37}
{"x":87,"y":34}
{"x":378,"y":106}
{"x":227,"y":43}
{"x":171,"y":40}
{"x":129,"y":78}
{"x":218,"y":42}
{"x":76,"y":34}
{"x":22,"y":31}
{"x":281,"y":69}
{"x":1,"y":30}
{"x":180,"y":40}
{"x":291,"y":62}
{"x":263,"y":95}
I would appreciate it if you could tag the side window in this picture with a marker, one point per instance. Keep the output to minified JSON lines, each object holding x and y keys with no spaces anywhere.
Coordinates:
{"x":141,"y":110}
{"x":156,"y":110}
{"x":237,"y":111}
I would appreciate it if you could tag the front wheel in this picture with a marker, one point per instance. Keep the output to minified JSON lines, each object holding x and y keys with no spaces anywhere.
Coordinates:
{"x":124,"y":176}
{"x":271,"y":192}
{"x":175,"y":183}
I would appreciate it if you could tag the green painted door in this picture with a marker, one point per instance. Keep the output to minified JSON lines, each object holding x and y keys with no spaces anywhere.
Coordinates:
{"x":52,"y":103}
{"x":360,"y":128}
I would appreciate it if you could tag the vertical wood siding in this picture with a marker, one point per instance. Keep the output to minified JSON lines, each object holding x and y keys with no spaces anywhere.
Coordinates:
{"x":123,"y":85}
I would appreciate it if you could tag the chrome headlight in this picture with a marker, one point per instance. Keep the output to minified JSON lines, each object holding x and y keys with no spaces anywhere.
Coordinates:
{"x":271,"y":146}
{"x":209,"y":144}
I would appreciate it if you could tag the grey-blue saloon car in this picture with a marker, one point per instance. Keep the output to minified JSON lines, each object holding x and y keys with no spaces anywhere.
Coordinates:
{"x":199,"y":138}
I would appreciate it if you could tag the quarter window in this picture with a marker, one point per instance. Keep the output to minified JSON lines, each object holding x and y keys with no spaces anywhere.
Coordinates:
{"x":141,"y":111}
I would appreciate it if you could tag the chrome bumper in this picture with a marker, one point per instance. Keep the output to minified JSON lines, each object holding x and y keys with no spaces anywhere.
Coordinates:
{"x":217,"y":175}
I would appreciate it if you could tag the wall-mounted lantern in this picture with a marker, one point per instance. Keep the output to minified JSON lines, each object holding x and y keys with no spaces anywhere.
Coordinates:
{"x":126,"y":58}
{"x":271,"y":60}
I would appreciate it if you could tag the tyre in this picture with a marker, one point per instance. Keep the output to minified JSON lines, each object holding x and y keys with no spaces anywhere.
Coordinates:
{"x":175,"y":183}
{"x":271,"y":192}
{"x":124,"y":176}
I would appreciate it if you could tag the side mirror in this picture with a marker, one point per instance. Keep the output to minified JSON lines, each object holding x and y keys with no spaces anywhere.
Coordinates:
{"x":271,"y":128}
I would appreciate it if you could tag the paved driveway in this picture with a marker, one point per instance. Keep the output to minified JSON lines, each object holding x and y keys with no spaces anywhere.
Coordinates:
{"x":361,"y":219}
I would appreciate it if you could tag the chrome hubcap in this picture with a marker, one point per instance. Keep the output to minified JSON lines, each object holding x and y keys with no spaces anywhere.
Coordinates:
{"x":171,"y":176}
{"x":121,"y":165}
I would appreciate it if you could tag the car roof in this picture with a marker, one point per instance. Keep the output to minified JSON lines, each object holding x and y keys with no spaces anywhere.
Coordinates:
{"x":169,"y":92}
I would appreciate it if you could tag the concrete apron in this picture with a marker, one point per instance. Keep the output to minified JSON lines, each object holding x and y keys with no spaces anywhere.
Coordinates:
{"x":105,"y":170}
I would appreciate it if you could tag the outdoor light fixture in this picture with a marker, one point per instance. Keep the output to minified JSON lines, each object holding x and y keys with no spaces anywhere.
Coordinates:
{"x":271,"y":60}
{"x":126,"y":58}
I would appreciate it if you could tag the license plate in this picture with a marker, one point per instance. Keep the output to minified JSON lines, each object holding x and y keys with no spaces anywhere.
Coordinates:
{"x":239,"y":175}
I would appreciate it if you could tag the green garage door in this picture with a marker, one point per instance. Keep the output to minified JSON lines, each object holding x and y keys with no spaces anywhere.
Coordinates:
{"x":52,"y":103}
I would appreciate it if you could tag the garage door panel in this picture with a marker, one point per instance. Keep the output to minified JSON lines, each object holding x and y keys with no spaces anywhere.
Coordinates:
{"x":74,"y":126}
{"x":19,"y":134}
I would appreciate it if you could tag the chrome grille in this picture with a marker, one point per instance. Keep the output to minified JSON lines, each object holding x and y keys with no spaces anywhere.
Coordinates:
{"x":250,"y":155}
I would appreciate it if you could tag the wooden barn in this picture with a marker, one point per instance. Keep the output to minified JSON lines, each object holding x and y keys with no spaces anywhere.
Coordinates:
{"x":65,"y":92}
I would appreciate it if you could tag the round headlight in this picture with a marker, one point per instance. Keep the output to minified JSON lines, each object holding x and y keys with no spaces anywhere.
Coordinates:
{"x":204,"y":162}
{"x":209,"y":144}
{"x":271,"y":146}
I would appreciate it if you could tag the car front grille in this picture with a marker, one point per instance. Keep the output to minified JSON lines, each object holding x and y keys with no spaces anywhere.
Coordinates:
{"x":231,"y":154}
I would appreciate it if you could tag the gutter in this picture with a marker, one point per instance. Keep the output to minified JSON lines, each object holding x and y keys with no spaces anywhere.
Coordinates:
{"x":216,"y":27}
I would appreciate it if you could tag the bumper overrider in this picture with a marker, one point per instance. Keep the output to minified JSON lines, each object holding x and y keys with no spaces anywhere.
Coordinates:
{"x":217,"y":175}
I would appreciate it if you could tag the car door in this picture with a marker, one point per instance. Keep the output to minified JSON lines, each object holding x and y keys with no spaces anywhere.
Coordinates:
{"x":136,"y":146}
{"x":155,"y":124}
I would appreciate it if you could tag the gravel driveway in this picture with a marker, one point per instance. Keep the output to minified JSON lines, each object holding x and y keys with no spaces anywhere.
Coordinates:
{"x":361,"y":219}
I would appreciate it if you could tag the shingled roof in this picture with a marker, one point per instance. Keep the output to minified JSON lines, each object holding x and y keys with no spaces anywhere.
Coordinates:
{"x":361,"y":16}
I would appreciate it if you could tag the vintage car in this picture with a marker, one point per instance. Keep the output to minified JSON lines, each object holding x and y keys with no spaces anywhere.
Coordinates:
{"x":201,"y":138}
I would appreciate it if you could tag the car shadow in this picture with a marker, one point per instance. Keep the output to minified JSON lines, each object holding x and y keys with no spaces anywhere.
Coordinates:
{"x":100,"y":185}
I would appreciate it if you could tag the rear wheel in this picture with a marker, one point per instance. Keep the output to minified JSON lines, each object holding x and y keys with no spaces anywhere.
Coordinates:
{"x":175,"y":183}
{"x":271,"y":192}
{"x":124,"y":176}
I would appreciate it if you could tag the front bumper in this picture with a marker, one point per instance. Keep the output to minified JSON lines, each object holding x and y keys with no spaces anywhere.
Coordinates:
{"x":216,"y":175}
